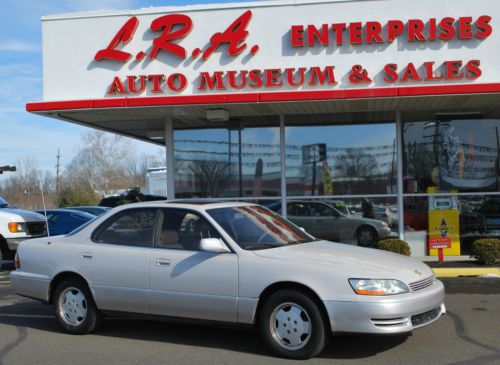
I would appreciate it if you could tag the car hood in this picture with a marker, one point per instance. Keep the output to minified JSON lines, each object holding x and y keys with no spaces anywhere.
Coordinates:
{"x":19,"y":215}
{"x":355,"y":262}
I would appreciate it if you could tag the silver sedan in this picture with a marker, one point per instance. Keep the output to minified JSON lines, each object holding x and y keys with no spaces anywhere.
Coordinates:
{"x":226,"y":262}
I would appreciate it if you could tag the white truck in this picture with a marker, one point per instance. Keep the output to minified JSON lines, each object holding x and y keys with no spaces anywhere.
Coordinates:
{"x":17,"y":225}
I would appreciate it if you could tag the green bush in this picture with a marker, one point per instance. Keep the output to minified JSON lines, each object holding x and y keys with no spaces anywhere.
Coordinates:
{"x":486,"y":250}
{"x":394,"y":245}
{"x":77,"y":195}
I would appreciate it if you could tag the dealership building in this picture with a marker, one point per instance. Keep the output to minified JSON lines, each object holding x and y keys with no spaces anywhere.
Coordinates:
{"x":387,"y":109}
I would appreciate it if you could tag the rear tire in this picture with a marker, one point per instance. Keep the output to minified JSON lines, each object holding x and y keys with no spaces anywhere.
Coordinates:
{"x":292,"y":325}
{"x":367,"y":236}
{"x":75,"y":308}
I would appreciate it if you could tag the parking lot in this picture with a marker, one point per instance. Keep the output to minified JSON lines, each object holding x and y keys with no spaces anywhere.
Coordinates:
{"x":468,"y":334}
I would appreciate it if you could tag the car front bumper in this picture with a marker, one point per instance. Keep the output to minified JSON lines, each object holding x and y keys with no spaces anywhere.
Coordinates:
{"x":388,"y":315}
{"x":13,"y":243}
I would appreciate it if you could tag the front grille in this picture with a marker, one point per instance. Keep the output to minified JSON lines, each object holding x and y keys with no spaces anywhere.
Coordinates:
{"x":35,"y":228}
{"x":422,"y":284}
{"x":423,"y":318}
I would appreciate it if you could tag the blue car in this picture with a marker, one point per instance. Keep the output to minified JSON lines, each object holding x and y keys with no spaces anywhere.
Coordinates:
{"x":63,"y":221}
{"x":94,"y":210}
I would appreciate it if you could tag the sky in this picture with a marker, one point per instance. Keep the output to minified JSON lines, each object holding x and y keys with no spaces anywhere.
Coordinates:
{"x":27,"y":135}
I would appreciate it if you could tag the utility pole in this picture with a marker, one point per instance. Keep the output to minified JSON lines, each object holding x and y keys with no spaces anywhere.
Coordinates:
{"x":57,"y":169}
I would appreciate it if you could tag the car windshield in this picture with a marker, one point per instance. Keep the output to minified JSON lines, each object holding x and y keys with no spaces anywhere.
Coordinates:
{"x":3,"y":203}
{"x":257,"y":228}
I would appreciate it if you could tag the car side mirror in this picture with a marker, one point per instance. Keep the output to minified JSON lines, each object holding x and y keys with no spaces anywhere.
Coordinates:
{"x":213,"y":245}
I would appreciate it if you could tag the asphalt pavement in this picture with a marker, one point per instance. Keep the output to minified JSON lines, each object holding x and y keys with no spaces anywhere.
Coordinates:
{"x":468,"y":334}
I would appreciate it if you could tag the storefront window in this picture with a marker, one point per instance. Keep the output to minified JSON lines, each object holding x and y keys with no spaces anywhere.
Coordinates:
{"x":341,"y":159}
{"x":227,"y":162}
{"x":460,"y":220}
{"x":460,"y":155}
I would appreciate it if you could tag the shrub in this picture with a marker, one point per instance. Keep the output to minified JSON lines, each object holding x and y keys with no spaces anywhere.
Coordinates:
{"x":486,"y":250}
{"x":394,"y":245}
{"x":72,"y":196}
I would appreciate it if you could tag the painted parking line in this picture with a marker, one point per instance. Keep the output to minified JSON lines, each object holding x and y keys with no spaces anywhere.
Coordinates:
{"x":465,"y":271}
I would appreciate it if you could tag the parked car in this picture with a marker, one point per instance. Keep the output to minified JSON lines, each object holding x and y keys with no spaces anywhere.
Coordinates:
{"x":17,"y":225}
{"x":326,"y":222}
{"x":94,"y":210}
{"x":235,"y":262}
{"x":63,"y":221}
{"x":482,"y":221}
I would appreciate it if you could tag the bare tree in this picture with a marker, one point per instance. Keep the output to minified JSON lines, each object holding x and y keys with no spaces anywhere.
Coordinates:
{"x":24,"y":187}
{"x":101,"y":161}
{"x":211,"y":176}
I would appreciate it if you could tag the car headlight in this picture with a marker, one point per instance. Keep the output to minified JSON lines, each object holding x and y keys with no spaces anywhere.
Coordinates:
{"x":378,"y":286}
{"x":385,"y":225}
{"x":17,"y":227}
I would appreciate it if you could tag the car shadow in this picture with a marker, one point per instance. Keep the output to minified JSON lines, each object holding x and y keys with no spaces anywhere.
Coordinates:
{"x":31,"y":314}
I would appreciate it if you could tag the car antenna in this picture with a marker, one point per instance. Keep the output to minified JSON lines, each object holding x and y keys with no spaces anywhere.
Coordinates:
{"x":45,"y":211}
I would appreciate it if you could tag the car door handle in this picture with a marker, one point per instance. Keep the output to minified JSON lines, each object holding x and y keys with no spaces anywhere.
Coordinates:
{"x":86,"y":255}
{"x":162,"y":262}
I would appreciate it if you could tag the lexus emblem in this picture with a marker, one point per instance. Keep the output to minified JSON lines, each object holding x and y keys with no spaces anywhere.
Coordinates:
{"x":419,"y":273}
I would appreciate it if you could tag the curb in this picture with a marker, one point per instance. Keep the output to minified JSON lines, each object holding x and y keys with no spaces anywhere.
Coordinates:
{"x":465,"y":271}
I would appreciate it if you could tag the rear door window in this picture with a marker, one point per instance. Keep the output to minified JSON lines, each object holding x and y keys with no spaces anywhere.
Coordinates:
{"x":132,"y":227}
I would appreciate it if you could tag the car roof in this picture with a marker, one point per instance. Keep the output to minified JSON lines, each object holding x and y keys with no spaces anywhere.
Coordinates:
{"x":67,"y":211}
{"x":188,"y":204}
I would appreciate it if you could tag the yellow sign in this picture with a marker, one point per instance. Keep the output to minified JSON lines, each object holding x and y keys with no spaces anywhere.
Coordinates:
{"x":444,"y":224}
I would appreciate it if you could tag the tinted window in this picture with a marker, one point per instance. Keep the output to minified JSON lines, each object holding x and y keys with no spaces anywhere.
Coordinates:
{"x":133,"y":227}
{"x":255,"y":227}
{"x":183,"y":230}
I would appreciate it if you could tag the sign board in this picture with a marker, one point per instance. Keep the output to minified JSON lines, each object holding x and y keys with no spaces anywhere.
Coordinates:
{"x":269,"y":46}
{"x":444,"y":224}
{"x":439,"y":242}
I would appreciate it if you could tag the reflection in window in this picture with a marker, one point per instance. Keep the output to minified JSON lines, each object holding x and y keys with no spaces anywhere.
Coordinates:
{"x":463,"y":218}
{"x":322,"y":219}
{"x":341,"y":159}
{"x":228,"y":162}
{"x":133,"y":227}
{"x":458,"y":155}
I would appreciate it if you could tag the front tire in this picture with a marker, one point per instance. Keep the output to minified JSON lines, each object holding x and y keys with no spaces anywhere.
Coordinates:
{"x":75,"y":308}
{"x":292,"y":326}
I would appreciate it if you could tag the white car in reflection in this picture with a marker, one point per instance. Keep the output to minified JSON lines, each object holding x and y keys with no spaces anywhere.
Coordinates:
{"x":226,"y":262}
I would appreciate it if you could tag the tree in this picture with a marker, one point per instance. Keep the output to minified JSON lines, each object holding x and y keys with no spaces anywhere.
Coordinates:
{"x":77,"y":195}
{"x":24,"y":187}
{"x":211,"y":176}
{"x":100,"y":162}
{"x":359,"y":170}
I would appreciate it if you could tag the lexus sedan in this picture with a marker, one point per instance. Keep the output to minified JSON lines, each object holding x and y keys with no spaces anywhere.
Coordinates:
{"x":227,"y":262}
